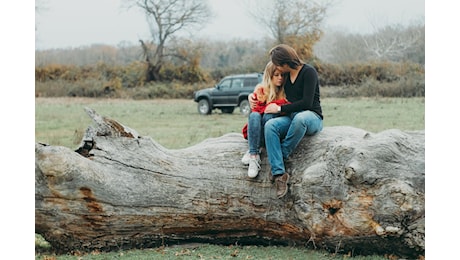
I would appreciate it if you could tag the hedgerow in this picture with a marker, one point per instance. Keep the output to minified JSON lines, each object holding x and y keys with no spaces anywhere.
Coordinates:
{"x":386,"y":79}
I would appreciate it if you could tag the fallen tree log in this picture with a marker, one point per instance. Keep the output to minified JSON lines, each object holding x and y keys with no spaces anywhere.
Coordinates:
{"x":350,"y":191}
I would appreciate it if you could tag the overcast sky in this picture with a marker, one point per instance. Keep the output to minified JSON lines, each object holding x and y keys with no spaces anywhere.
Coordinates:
{"x":70,"y":23}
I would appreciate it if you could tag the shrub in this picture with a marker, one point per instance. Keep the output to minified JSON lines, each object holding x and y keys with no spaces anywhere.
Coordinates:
{"x":101,"y":80}
{"x":358,"y":73}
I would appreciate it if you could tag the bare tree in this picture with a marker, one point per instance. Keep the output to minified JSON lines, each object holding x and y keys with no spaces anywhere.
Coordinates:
{"x":392,"y":42}
{"x":165,"y":19}
{"x":294,"y":22}
{"x":337,"y":46}
{"x":395,"y":42}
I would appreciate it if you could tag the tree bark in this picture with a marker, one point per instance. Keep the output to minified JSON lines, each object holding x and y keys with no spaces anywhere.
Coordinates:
{"x":350,"y":191}
{"x":152,"y":72}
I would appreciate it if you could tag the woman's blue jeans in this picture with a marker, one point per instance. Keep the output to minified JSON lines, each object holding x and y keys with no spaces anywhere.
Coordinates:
{"x":284,"y":133}
{"x":256,"y":124}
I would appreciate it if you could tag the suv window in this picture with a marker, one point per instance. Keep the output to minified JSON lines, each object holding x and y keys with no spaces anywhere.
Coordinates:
{"x":250,"y":82}
{"x":237,"y":83}
{"x":225,"y":83}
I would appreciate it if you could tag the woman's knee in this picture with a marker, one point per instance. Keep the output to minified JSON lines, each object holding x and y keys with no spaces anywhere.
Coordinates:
{"x":310,"y":121}
{"x":304,"y":116}
{"x":255,"y":115}
{"x":269,"y":125}
{"x":278,"y":125}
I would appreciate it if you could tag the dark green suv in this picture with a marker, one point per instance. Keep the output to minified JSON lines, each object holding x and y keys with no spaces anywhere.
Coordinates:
{"x":232,"y":91}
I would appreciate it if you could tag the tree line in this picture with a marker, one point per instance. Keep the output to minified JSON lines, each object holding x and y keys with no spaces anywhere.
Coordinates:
{"x":341,"y":57}
{"x":392,"y":44}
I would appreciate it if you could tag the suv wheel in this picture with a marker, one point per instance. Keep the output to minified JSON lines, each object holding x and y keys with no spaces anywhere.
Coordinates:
{"x":245,"y":109}
{"x":204,"y":107}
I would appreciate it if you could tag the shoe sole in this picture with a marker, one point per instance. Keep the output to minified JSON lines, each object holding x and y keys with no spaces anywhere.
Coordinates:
{"x":287,"y":188}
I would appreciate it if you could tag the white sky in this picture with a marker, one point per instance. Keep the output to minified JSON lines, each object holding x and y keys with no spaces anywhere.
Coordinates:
{"x":70,"y":23}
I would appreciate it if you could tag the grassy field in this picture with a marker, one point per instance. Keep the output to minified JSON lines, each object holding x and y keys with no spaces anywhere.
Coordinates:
{"x":176,"y":124}
{"x":207,"y":251}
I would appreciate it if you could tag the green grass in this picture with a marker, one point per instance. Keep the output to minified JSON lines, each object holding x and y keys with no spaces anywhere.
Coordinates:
{"x":375,"y":114}
{"x":177,"y":124}
{"x":207,"y":251}
{"x":199,"y":251}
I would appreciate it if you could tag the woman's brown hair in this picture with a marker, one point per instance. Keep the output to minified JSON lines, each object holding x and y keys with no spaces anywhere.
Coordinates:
{"x":284,"y":54}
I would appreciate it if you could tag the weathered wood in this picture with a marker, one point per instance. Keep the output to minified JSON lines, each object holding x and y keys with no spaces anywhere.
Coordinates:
{"x":350,"y":190}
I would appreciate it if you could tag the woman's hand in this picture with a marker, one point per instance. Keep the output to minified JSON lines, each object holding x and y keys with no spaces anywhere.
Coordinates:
{"x":252,"y":100}
{"x":272,"y":109}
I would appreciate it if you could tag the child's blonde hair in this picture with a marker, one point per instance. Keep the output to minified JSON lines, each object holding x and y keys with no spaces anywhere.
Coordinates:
{"x":270,"y":92}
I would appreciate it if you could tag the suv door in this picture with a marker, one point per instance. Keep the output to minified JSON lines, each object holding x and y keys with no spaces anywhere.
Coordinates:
{"x":219,"y":94}
{"x":234,"y":91}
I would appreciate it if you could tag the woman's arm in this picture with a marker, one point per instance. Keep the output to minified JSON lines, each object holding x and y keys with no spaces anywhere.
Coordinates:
{"x":309,"y":81}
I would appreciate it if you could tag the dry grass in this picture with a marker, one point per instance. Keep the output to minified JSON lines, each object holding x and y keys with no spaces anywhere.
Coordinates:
{"x":175,"y":123}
